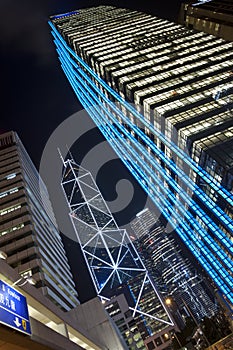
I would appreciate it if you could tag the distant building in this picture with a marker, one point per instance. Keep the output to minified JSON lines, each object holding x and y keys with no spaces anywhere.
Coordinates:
{"x":211,"y":16}
{"x":171,"y":271}
{"x":28,"y":233}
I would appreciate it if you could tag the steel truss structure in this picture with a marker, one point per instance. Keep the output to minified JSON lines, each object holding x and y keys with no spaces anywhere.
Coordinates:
{"x":183,"y":203}
{"x":111,"y":257}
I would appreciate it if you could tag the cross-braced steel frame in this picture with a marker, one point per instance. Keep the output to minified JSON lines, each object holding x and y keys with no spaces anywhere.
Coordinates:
{"x":110,"y":255}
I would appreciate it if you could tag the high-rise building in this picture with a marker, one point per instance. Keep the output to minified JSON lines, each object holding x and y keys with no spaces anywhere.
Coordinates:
{"x":210,"y":16}
{"x":120,"y":312}
{"x":172,"y":272}
{"x":177,"y":137}
{"x":114,"y":264}
{"x":28,"y":234}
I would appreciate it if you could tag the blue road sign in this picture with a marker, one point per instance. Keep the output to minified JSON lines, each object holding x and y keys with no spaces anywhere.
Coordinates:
{"x":13,"y":309}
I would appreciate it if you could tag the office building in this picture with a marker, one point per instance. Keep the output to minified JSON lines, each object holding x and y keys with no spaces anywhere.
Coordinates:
{"x":161,"y":94}
{"x":113,"y":262}
{"x":211,"y":16}
{"x":28,"y":234}
{"x":172,"y":272}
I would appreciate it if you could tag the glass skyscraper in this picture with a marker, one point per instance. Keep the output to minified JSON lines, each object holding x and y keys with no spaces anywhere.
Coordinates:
{"x":171,"y":271}
{"x":28,"y":234}
{"x":114,"y":264}
{"x":161,"y":94}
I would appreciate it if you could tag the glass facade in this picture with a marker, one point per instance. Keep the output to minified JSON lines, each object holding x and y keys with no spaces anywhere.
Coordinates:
{"x":115,"y":57}
{"x":27,"y":232}
{"x":171,"y":271}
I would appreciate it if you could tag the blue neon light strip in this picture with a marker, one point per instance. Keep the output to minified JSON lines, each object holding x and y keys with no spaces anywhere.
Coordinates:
{"x":94,"y":104}
{"x":146,"y":188}
{"x":189,"y":161}
{"x":65,"y":14}
{"x":187,"y":241}
{"x":201,"y":195}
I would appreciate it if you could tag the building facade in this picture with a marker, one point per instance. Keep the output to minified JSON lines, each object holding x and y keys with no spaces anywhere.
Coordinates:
{"x":210,"y":16}
{"x":87,"y":326}
{"x":177,"y":137}
{"x":28,"y":234}
{"x":113,"y":262}
{"x":172,"y":272}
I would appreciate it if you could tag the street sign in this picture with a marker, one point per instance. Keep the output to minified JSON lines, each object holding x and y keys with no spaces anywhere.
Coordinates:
{"x":13,"y":309}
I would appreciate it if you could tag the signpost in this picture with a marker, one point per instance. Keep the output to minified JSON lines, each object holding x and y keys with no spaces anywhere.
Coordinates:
{"x":13,"y":309}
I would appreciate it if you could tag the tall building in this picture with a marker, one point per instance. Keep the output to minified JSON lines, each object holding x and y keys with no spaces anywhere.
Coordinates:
{"x":28,"y":236}
{"x":177,"y":137}
{"x":113,"y":262}
{"x":172,"y":272}
{"x":210,"y":16}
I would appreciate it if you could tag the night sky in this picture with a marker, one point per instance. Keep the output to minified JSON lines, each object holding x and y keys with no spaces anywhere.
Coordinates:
{"x":36,"y":96}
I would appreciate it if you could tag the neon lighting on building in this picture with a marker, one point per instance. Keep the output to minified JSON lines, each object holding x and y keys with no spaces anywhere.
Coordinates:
{"x":187,"y":216}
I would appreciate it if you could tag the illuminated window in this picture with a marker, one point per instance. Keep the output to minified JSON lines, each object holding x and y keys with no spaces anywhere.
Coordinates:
{"x":10,"y":209}
{"x":11,"y":229}
{"x":12,"y":190}
{"x":11,"y":176}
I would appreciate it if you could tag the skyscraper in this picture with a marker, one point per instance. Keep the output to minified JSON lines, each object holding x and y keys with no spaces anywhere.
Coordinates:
{"x":177,"y":138}
{"x":172,"y":272}
{"x":27,"y":234}
{"x":113,"y":262}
